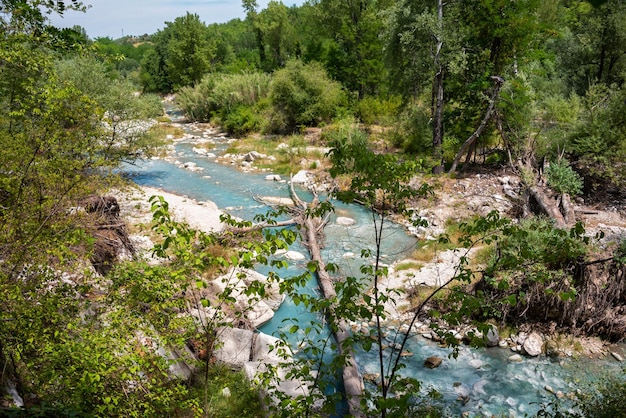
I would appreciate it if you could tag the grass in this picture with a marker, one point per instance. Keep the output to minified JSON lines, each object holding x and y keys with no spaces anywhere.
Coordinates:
{"x":243,"y":402}
{"x":297,"y":155}
{"x":409,"y":265}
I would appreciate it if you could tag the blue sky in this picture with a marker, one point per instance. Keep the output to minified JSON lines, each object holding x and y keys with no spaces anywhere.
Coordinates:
{"x":113,"y":18}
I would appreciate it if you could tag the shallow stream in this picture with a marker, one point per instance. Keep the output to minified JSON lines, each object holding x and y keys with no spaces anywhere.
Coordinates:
{"x":480,"y":381}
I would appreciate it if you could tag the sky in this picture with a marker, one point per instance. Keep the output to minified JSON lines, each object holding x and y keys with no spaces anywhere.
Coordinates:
{"x":117,"y":18}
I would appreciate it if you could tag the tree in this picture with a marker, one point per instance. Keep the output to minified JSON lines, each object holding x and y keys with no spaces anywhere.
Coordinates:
{"x":354,"y":50}
{"x":302,"y":95}
{"x":181,"y":55}
{"x":187,"y":54}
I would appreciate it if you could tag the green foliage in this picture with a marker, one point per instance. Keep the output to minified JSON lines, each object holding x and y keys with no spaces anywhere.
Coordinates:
{"x":599,"y":139}
{"x":377,"y":111}
{"x":302,"y":95}
{"x":537,"y":241}
{"x":413,"y":133}
{"x":242,"y":401}
{"x":563,"y":179}
{"x":181,"y":55}
{"x":603,"y":398}
{"x":229,"y":97}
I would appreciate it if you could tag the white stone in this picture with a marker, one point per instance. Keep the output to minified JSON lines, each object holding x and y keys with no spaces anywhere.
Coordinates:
{"x":294,"y":256}
{"x":476,"y":363}
{"x":273,"y":177}
{"x":345,"y":221}
{"x":516,"y":358}
{"x":199,"y":151}
{"x":301,"y":177}
{"x":235,"y":346}
{"x":533,"y":344}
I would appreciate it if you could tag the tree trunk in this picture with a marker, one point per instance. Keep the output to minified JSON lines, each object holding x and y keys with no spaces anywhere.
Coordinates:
{"x":352,"y":380}
{"x":549,"y":206}
{"x":498,"y":82}
{"x":568,"y":209}
{"x":437,"y":105}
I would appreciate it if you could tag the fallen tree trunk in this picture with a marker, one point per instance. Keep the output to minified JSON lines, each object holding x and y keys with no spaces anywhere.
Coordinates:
{"x":352,"y":379}
{"x":549,"y":206}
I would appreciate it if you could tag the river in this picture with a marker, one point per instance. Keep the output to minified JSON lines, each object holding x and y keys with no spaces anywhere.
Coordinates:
{"x":480,"y":382}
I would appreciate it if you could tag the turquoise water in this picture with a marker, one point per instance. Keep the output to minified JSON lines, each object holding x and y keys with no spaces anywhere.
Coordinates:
{"x":486,"y":381}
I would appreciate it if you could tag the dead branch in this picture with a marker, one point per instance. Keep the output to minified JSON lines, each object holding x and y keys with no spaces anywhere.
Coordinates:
{"x":498,"y":82}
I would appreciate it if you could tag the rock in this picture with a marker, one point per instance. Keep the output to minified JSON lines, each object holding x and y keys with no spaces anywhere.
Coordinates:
{"x":199,"y":151}
{"x":533,"y":344}
{"x":344,"y":221}
{"x":479,"y":387}
{"x":250,"y":307}
{"x":476,"y":363}
{"x":461,"y":390}
{"x":301,"y":177}
{"x":294,"y":256}
{"x":263,"y":351}
{"x":252,"y":156}
{"x":493,"y":338}
{"x":515,"y":358}
{"x":273,"y":177}
{"x":433,"y":362}
{"x":617,"y":356}
{"x":235,"y":346}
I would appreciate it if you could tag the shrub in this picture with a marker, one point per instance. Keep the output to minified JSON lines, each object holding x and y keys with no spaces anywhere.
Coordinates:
{"x":221,"y":94}
{"x":373,"y":110}
{"x":302,"y":95}
{"x":414,"y":134}
{"x":563,"y":179}
{"x":241,"y":120}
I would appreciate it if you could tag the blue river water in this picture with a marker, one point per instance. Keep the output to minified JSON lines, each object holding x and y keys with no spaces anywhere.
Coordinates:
{"x":481,"y":382}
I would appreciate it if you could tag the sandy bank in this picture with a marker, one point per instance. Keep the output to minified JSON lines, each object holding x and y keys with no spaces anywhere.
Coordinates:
{"x":202,"y":215}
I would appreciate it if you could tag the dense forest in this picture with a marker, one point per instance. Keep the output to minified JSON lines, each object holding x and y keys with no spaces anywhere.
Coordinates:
{"x":397,"y":88}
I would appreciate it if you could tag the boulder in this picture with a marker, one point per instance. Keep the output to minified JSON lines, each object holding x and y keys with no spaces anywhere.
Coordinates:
{"x":433,"y":362}
{"x":273,"y":177}
{"x":266,"y":349}
{"x":294,"y":256}
{"x":301,"y":177}
{"x":235,"y":346}
{"x":257,"y":311}
{"x":515,"y":358}
{"x":252,"y":156}
{"x":533,"y":344}
{"x":493,"y":338}
{"x":344,"y":221}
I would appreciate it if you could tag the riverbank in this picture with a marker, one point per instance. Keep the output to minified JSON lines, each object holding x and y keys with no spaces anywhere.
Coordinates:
{"x":135,"y":207}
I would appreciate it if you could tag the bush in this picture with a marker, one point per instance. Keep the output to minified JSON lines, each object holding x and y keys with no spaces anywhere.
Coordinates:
{"x":241,"y":120}
{"x":414,"y":134}
{"x":563,"y":179}
{"x":302,"y":95}
{"x":221,"y":94}
{"x":373,"y":110}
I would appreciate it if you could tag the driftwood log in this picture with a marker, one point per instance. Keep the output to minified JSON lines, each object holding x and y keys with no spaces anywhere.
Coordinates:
{"x":352,"y":379}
